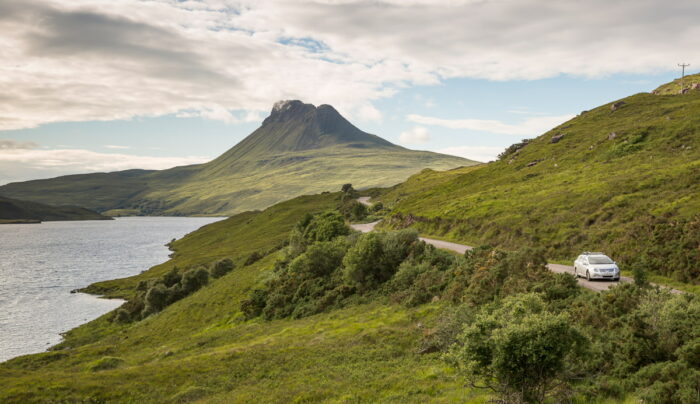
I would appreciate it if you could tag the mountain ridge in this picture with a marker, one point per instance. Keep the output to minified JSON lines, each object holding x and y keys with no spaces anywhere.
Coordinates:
{"x":16,"y":211}
{"x":298,"y":149}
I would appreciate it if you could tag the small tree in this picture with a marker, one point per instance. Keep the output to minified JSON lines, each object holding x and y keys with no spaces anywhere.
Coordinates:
{"x":346,"y":188}
{"x":362,"y":265}
{"x":520,"y":351}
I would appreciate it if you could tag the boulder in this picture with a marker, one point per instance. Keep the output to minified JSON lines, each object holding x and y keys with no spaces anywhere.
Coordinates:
{"x":556,"y":138}
{"x":612,"y":135}
{"x":615,"y":106}
{"x":695,"y":86}
{"x":532,"y":163}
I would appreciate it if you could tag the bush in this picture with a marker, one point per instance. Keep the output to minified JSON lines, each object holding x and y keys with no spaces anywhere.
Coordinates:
{"x":362,"y":265}
{"x":222,"y":267}
{"x":254,"y":304}
{"x":171,"y":278}
{"x":156,"y":299}
{"x":325,"y":227}
{"x":397,"y":246}
{"x":194,"y":279}
{"x":253,"y":258}
{"x":518,"y":349}
{"x":319,"y":260}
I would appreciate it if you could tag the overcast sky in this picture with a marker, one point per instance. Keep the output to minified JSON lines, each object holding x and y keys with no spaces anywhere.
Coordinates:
{"x":92,"y":85}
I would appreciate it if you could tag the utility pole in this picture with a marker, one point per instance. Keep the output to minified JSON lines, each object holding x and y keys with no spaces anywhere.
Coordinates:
{"x":683,"y":66}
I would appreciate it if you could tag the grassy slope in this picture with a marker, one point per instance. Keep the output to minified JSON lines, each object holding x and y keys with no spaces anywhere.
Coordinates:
{"x":674,"y":87}
{"x":252,"y":184}
{"x":200,"y":348}
{"x":13,"y":210}
{"x":586,"y":192}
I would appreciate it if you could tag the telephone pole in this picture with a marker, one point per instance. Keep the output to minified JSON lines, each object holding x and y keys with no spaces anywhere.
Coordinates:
{"x":683,"y":66}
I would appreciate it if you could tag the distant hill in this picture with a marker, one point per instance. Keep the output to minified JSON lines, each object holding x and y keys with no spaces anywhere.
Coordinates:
{"x":15,"y":211}
{"x":299,"y":149}
{"x":623,"y":178}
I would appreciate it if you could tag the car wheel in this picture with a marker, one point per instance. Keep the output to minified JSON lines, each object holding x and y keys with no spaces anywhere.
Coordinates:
{"x":588,"y":275}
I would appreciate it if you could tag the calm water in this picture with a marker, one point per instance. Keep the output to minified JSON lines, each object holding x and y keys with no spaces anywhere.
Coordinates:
{"x":41,"y":263}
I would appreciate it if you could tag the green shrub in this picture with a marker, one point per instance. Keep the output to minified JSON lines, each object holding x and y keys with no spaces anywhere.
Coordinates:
{"x":325,"y":227}
{"x":156,"y":299}
{"x":254,"y":304}
{"x":362,"y":265}
{"x":519,"y":350}
{"x":173,"y":277}
{"x":194,"y":279}
{"x":222,"y":267}
{"x":254,"y":257}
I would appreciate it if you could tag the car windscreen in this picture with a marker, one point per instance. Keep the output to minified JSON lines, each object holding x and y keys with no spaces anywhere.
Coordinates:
{"x":600,"y":259}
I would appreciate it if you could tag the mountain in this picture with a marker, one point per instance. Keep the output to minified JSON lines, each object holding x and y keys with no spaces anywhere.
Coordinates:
{"x":15,"y":211}
{"x":623,"y":178}
{"x":299,"y":149}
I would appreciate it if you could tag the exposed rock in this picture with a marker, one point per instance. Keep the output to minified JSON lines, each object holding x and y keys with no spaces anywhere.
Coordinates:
{"x":695,"y":86}
{"x":684,"y":91}
{"x":556,"y":138}
{"x":612,"y":135}
{"x":532,"y":163}
{"x":590,"y":147}
{"x":435,"y":299}
{"x":511,"y":161}
{"x":615,"y":106}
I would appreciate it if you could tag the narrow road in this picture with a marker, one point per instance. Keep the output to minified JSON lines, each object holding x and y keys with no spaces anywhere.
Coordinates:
{"x":596,"y":286}
{"x":365,"y":200}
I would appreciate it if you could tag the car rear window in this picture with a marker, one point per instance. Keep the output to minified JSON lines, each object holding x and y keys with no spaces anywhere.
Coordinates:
{"x":600,"y":259}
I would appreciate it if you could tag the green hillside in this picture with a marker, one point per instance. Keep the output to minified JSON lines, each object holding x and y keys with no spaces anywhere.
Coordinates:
{"x":15,"y":211}
{"x":299,"y":149}
{"x":624,"y":180}
{"x":400,"y":333}
{"x":202,"y":346}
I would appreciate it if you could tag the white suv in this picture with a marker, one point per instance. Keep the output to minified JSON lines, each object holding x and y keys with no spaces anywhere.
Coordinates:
{"x":596,"y":265}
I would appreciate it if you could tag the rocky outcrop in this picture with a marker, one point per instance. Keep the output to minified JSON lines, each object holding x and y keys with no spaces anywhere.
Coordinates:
{"x":556,"y":138}
{"x":615,"y":106}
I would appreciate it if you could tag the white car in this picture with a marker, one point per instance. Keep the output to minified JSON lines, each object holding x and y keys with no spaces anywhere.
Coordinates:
{"x":596,"y":265}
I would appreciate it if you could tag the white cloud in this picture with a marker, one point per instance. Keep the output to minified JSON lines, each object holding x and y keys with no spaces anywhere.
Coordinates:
{"x":478,"y":153}
{"x":417,"y":134}
{"x":528,"y":127}
{"x":117,"y":147}
{"x":19,"y":164}
{"x":94,"y":60}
